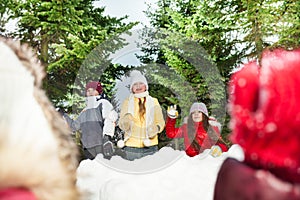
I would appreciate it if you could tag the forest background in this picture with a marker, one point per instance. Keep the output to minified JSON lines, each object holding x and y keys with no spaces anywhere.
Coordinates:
{"x":225,"y":33}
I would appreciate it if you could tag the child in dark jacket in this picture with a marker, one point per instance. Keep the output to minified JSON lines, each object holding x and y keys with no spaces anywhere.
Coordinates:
{"x":96,"y":122}
{"x":199,"y":133}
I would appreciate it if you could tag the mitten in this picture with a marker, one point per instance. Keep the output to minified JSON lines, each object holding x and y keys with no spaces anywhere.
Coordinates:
{"x":125,"y":122}
{"x":172,"y":112}
{"x":108,"y":148}
{"x":215,"y":151}
{"x":152,"y":130}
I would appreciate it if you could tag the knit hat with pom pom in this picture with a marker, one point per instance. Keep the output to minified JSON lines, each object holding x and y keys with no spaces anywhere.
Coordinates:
{"x":265,"y":115}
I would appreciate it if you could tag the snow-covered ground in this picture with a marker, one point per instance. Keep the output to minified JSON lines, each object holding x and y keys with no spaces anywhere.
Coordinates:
{"x":168,"y":174}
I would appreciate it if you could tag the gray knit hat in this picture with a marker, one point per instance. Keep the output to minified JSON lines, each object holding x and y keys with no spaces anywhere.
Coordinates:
{"x":199,"y":107}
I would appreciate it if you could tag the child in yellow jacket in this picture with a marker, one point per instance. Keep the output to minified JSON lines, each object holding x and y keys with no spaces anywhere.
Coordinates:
{"x":141,"y":118}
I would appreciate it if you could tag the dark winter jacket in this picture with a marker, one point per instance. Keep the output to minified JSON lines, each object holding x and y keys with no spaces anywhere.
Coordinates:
{"x":94,"y":121}
{"x":201,"y":136}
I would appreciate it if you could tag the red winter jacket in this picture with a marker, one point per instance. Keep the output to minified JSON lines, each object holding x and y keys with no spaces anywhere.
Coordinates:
{"x":201,"y":136}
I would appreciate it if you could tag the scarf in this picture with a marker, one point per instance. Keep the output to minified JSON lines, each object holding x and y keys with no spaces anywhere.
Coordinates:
{"x":92,"y":102}
{"x":149,"y":108}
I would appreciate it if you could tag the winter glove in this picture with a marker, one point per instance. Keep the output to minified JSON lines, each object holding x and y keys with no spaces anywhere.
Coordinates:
{"x":152,"y":130}
{"x":108,"y":148}
{"x":172,"y":112}
{"x":125,"y":122}
{"x":215,"y":151}
{"x":119,"y":137}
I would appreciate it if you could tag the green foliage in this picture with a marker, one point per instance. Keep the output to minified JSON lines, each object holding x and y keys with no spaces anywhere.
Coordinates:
{"x":189,"y":54}
{"x":230,"y":32}
{"x":64,"y":33}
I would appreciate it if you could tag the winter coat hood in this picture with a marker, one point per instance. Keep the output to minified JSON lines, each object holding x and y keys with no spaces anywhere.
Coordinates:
{"x":36,"y":151}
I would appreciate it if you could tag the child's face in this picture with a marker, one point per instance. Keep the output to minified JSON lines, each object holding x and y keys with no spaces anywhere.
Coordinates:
{"x":197,"y":116}
{"x":91,"y":92}
{"x":138,"y":87}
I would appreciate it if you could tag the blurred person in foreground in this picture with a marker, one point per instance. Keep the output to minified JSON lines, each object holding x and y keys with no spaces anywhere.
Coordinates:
{"x":38,"y":158}
{"x":265,"y":122}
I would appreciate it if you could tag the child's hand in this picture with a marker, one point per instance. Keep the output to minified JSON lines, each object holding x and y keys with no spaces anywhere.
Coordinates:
{"x":172,"y":112}
{"x":108,"y":148}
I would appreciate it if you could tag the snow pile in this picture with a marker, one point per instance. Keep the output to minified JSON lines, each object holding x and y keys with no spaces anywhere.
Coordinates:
{"x":168,"y":174}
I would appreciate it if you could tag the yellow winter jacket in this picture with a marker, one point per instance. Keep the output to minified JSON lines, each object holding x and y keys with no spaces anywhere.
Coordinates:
{"x":137,"y":133}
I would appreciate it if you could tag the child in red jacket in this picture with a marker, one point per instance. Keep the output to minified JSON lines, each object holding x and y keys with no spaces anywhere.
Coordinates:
{"x":199,"y":133}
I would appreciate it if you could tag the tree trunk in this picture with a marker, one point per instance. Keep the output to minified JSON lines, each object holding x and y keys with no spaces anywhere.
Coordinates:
{"x":44,"y":57}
